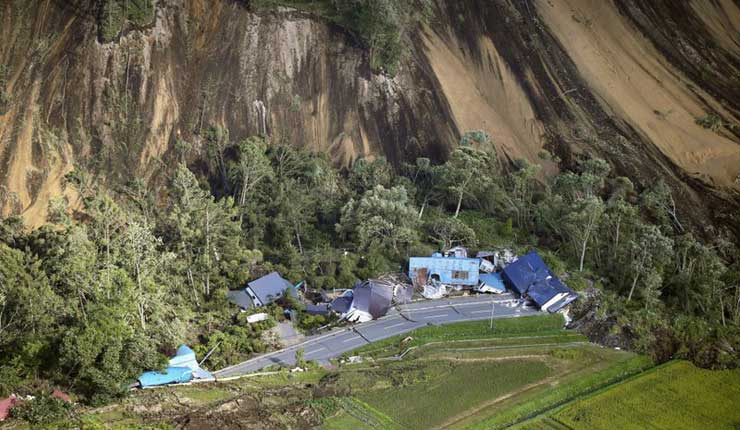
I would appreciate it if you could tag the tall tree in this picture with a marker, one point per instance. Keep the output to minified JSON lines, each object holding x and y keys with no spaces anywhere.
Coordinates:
{"x":466,"y":174}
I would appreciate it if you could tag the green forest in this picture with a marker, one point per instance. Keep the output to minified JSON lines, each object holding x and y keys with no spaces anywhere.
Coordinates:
{"x":117,"y":280}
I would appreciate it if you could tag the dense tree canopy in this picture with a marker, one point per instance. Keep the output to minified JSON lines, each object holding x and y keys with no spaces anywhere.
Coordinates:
{"x":111,"y":289}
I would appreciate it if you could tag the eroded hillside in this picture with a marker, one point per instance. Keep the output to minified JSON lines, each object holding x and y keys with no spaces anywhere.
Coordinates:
{"x":625,"y":80}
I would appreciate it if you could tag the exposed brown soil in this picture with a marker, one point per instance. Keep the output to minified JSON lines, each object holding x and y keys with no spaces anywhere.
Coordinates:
{"x":624,"y":80}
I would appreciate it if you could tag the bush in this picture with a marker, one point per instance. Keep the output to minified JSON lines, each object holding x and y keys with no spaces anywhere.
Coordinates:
{"x":710,"y":122}
{"x":43,"y":409}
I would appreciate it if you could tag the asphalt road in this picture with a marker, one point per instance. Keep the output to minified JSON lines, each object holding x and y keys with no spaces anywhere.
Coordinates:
{"x":412,"y":316}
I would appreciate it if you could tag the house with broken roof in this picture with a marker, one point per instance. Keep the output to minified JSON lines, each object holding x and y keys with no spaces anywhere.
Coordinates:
{"x":261,"y":292}
{"x":369,"y":300}
{"x":444,"y":270}
{"x":530,"y":277}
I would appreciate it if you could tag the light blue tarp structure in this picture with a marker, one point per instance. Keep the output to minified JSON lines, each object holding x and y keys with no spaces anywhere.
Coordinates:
{"x":185,"y":357}
{"x":494,"y":281}
{"x":447,"y":270}
{"x":183,"y":367}
{"x":170,"y":375}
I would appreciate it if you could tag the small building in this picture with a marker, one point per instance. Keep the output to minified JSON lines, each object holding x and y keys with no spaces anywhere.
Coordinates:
{"x":530,"y":277}
{"x":261,"y":292}
{"x":444,"y":270}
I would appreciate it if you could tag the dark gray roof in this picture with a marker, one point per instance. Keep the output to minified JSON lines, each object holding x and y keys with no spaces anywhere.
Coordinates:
{"x":270,"y":287}
{"x":320,"y":309}
{"x":342,"y":304}
{"x":373,"y":297}
{"x":240,"y":298}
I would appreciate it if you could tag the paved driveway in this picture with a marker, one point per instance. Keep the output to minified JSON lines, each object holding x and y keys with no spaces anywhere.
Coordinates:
{"x":398,"y":321}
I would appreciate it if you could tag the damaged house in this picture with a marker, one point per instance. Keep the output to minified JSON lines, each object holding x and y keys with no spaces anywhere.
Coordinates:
{"x":367,"y":301}
{"x":445,"y":270}
{"x":530,"y":277}
{"x":261,"y":292}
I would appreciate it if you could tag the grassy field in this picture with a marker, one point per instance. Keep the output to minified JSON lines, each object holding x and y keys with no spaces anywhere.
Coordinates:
{"x":528,"y":373}
{"x":449,"y":389}
{"x":532,"y":326}
{"x":677,"y":396}
{"x":467,"y":376}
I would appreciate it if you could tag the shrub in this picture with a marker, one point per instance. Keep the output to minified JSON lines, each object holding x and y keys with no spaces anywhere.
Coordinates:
{"x":710,"y":122}
{"x":43,"y":409}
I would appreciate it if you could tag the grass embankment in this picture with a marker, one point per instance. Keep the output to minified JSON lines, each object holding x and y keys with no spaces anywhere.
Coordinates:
{"x":467,"y":375}
{"x":548,"y":327}
{"x":677,"y":396}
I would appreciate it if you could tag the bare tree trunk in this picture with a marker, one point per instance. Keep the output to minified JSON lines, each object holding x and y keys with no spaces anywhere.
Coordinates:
{"x":459,"y":203}
{"x":423,"y":206}
{"x":616,"y":239}
{"x":634,"y":284}
{"x":208,"y":254}
{"x":298,"y":238}
{"x":583,"y":254}
{"x":192,"y":285}
{"x":142,"y":314}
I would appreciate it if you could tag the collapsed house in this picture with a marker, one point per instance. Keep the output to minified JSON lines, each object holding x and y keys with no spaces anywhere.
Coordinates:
{"x":530,"y":277}
{"x":369,"y":300}
{"x":183,"y":367}
{"x":453,"y":269}
{"x":447,"y":270}
{"x":261,"y":292}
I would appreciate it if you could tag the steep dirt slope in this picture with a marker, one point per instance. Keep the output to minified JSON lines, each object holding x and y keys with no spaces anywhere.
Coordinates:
{"x":121,"y":108}
{"x":625,"y":80}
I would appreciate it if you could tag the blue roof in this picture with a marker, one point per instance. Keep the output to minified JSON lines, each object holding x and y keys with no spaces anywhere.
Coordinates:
{"x":450,"y":270}
{"x":524,"y":272}
{"x":493,"y":280}
{"x":171,"y":375}
{"x":543,"y":290}
{"x":529,"y":276}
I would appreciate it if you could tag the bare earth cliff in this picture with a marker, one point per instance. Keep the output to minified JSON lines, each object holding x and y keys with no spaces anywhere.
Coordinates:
{"x":625,"y":80}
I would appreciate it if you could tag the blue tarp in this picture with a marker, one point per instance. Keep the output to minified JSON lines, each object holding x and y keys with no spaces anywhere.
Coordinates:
{"x":448,"y":270}
{"x":183,"y":367}
{"x":185,"y":357}
{"x":493,"y":280}
{"x":530,"y":277}
{"x":171,"y":375}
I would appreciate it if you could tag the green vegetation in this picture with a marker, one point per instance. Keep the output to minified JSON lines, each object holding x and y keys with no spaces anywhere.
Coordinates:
{"x":450,"y":389}
{"x":116,"y":15}
{"x":573,"y":386}
{"x":43,"y":409}
{"x":541,"y":326}
{"x":114,"y":287}
{"x":4,"y":96}
{"x":674,"y":396}
{"x":382,"y":26}
{"x":710,"y":122}
{"x":465,"y":379}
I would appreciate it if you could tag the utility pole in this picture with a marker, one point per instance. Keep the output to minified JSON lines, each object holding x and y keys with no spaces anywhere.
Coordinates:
{"x":492,"y":305}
